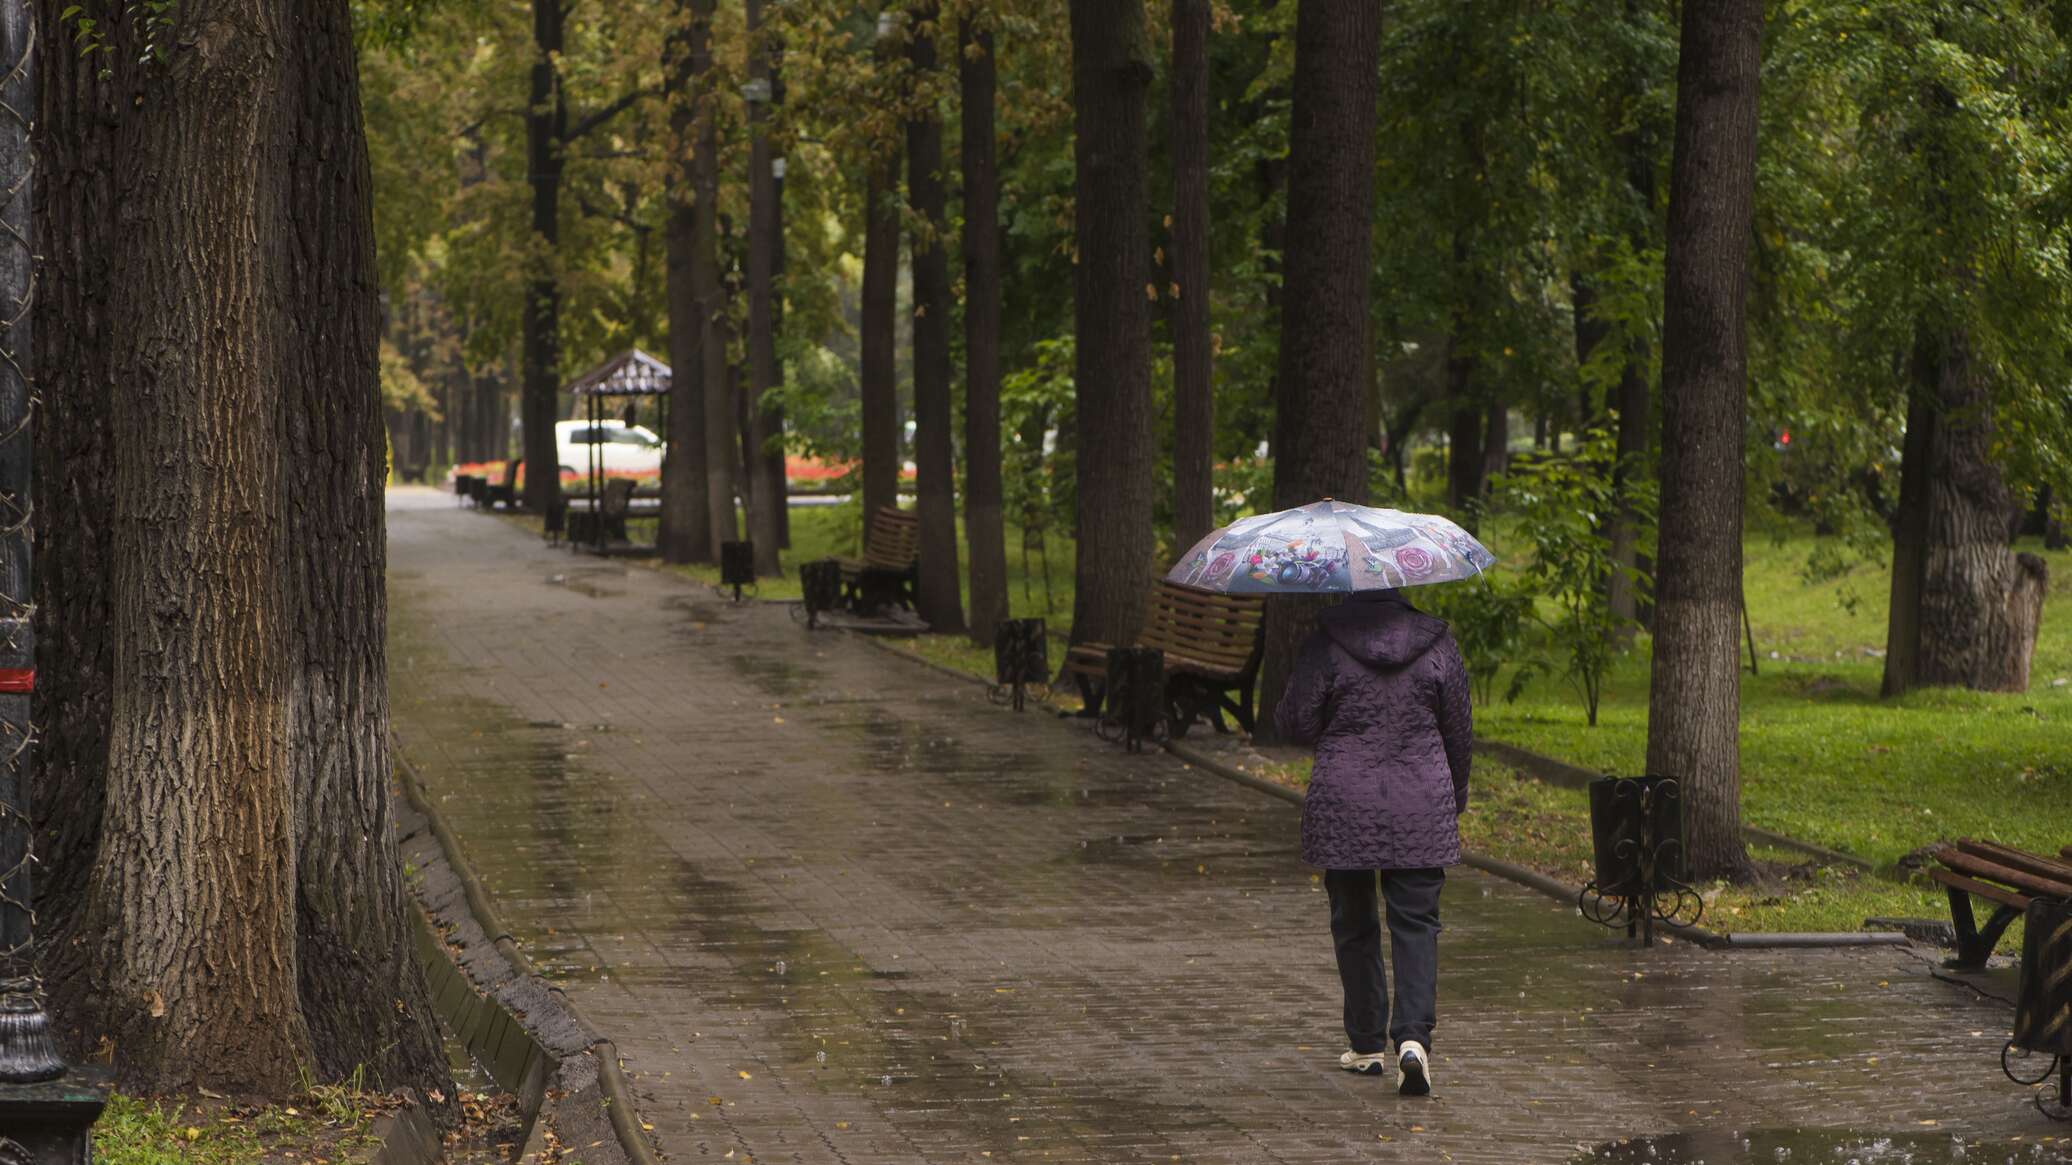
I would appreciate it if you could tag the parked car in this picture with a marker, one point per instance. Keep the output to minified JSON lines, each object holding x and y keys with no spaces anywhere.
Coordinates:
{"x":625,"y":448}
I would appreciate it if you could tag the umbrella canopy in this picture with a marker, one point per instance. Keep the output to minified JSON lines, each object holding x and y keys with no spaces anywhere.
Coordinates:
{"x":1331,"y":546}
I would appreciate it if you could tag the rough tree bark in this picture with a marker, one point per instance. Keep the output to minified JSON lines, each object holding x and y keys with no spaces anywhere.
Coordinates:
{"x":1194,"y":402}
{"x":878,"y":369}
{"x":361,"y":991}
{"x":78,"y":237}
{"x":939,"y":596}
{"x":686,"y":527}
{"x":709,"y":293}
{"x":1694,"y":691}
{"x":1111,"y":82}
{"x":984,"y":530}
{"x":546,"y":128}
{"x":1965,"y":607}
{"x":1324,"y":410}
{"x":192,"y":900}
{"x":767,"y":497}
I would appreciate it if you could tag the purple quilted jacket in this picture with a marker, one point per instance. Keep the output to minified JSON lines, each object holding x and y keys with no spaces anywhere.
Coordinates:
{"x":1381,"y":692}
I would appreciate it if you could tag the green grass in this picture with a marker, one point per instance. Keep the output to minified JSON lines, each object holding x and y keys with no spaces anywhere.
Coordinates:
{"x":327,"y":1123}
{"x":1822,"y":757}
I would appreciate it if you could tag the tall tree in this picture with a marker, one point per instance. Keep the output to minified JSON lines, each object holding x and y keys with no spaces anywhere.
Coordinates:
{"x":765,"y":244}
{"x":1111,"y":82}
{"x":709,"y":294}
{"x":353,"y":947}
{"x":242,"y":668}
{"x":686,"y":527}
{"x":1194,"y":401}
{"x":1694,"y":689}
{"x":939,"y":595}
{"x":546,"y":130}
{"x":196,"y":940}
{"x":1325,"y":405}
{"x":549,"y":131}
{"x":984,"y":532}
{"x":877,"y":372}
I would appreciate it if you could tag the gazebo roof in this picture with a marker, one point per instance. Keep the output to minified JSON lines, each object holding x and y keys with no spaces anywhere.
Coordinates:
{"x":630,"y":373}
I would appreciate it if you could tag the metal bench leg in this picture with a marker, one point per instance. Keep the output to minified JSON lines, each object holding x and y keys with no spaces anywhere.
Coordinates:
{"x":1089,"y":694}
{"x":1974,"y":943}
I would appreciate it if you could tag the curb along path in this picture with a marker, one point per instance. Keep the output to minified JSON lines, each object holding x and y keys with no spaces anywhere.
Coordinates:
{"x":831,"y":907}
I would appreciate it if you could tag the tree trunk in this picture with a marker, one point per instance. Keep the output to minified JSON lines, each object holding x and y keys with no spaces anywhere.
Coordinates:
{"x":878,"y":369}
{"x":80,"y":240}
{"x":1496,"y":441}
{"x":686,"y":526}
{"x":1326,"y":377}
{"x":1965,"y":607}
{"x":1627,"y":597}
{"x":939,"y":596}
{"x":984,"y":531}
{"x":1694,"y":691}
{"x":766,"y":498}
{"x":361,"y":991}
{"x":1111,"y":81}
{"x":710,"y":294}
{"x":546,"y":125}
{"x":192,"y":900}
{"x":1194,"y":402}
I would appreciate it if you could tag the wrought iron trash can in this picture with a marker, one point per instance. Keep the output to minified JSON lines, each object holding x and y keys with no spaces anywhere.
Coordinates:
{"x":737,"y":566}
{"x":1135,"y":697}
{"x":1021,"y":657}
{"x":820,"y":585}
{"x":1637,"y":851}
{"x":2043,"y":1002}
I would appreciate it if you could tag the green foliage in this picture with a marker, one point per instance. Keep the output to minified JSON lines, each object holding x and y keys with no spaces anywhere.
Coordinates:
{"x":1490,"y":618}
{"x":1563,"y":507}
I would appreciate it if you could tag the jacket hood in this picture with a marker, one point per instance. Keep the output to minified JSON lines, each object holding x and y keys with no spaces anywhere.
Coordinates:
{"x":1381,"y":629}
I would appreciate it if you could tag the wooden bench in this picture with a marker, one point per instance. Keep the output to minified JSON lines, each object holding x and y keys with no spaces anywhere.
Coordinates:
{"x":490,"y":494}
{"x":1212,"y":643}
{"x":890,"y":568}
{"x":607,"y":519}
{"x":2007,"y":877}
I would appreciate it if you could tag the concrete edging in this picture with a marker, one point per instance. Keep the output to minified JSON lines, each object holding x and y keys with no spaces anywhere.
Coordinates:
{"x":534,"y":1074}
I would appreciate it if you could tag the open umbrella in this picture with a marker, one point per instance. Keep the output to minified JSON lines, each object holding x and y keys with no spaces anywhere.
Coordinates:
{"x":1331,"y":546}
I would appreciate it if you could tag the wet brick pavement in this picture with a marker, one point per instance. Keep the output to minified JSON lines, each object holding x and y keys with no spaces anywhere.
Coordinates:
{"x":837,"y":908}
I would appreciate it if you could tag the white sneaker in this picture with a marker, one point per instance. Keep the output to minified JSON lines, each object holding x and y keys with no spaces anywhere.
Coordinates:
{"x":1413,"y":1070}
{"x":1368,"y":1064}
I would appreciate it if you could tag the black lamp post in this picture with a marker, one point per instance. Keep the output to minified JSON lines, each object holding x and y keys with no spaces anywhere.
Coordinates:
{"x":44,"y":1110}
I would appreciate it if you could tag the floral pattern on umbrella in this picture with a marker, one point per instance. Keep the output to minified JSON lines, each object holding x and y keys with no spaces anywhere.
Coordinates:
{"x":1331,"y":547}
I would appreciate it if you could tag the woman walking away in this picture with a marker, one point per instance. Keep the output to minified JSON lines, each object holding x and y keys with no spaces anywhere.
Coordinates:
{"x":1381,"y":692}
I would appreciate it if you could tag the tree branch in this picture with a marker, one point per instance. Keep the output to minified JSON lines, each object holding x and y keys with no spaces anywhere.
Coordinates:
{"x":591,"y":121}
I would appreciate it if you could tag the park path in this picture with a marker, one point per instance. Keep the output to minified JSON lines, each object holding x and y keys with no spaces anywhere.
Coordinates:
{"x":834,"y":907}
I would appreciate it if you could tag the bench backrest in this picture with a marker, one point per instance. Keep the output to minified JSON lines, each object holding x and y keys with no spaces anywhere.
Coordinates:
{"x":1216,"y":629}
{"x":618,"y":493}
{"x":894,"y":540}
{"x":511,"y":472}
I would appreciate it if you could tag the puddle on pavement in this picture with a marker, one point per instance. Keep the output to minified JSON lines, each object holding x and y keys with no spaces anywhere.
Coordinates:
{"x":594,"y":582}
{"x":1824,"y":1147}
{"x":774,"y":676}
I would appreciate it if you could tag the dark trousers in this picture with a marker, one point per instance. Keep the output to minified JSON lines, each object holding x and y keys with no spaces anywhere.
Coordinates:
{"x":1413,"y":915}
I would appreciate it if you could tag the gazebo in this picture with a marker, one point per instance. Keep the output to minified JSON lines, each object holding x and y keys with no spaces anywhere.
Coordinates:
{"x":631,"y":374}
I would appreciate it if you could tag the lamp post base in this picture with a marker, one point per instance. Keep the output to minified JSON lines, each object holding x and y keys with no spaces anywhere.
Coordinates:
{"x":49,"y":1123}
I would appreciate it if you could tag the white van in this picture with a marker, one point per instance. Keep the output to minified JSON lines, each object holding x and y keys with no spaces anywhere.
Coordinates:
{"x":625,"y":448}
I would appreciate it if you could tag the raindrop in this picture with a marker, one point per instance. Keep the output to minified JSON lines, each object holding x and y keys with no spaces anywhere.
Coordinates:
{"x":780,"y":966}
{"x":885,"y":1080}
{"x":820,"y":1057}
